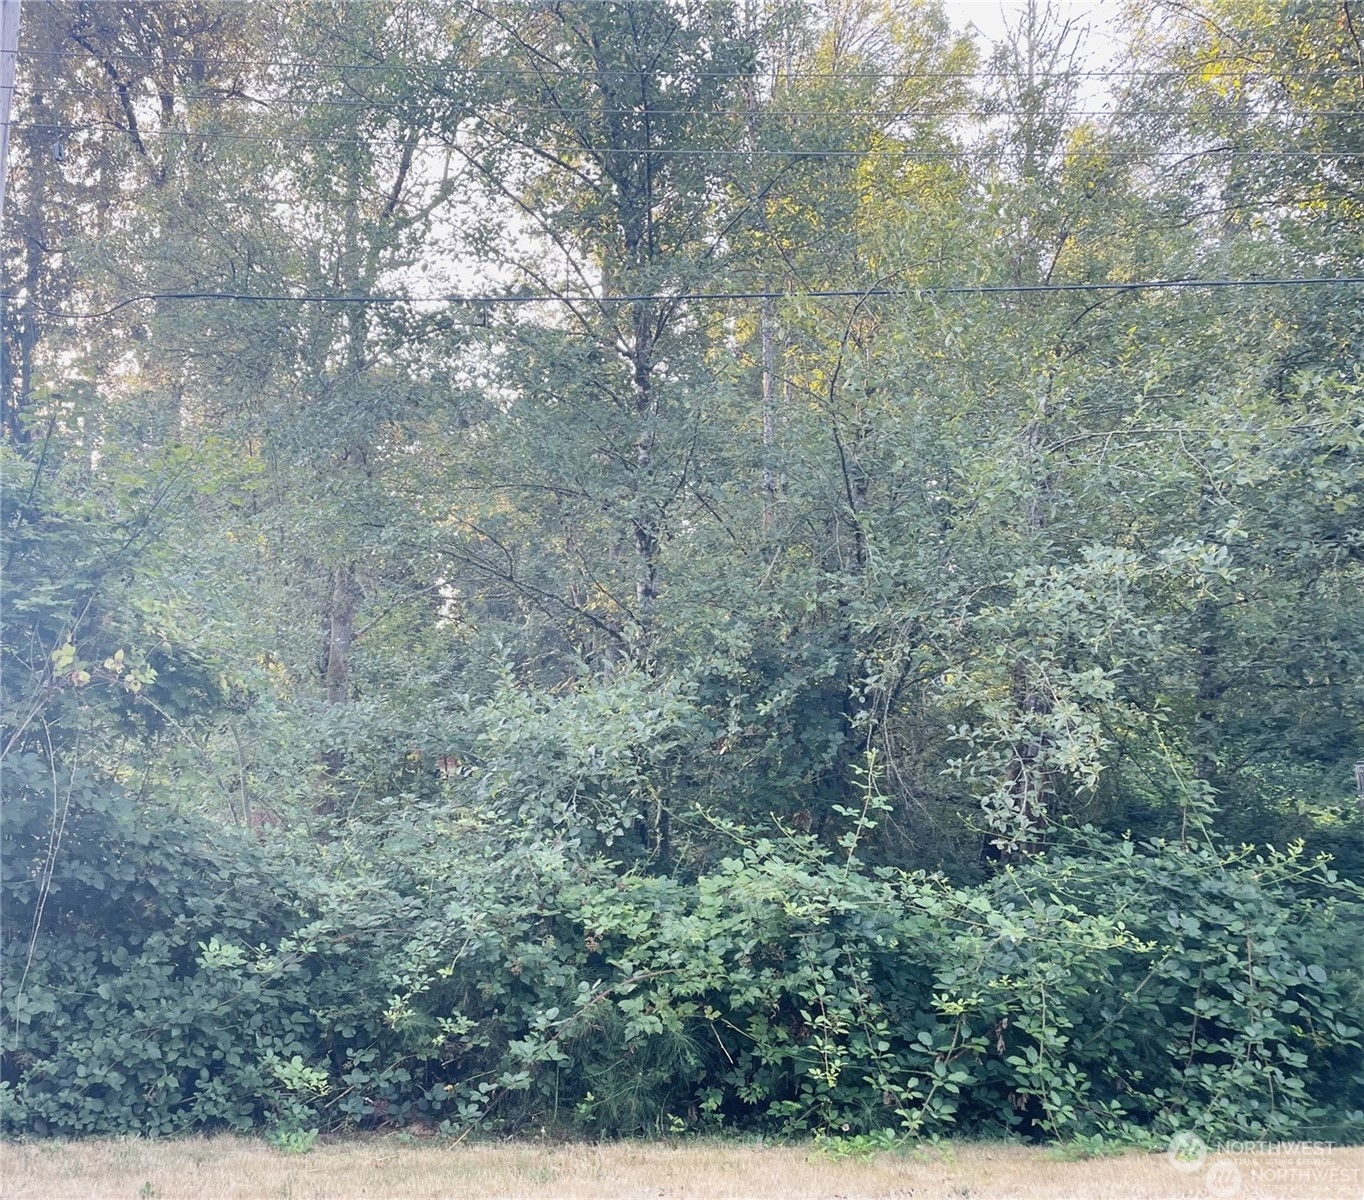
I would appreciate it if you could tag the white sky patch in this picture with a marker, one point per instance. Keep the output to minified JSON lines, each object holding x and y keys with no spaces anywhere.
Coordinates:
{"x":1097,"y":27}
{"x":990,"y":16}
{"x":1095,"y":20}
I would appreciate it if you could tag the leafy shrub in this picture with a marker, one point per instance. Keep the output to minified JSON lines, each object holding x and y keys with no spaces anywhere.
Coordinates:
{"x":437,"y":967}
{"x":151,"y":981}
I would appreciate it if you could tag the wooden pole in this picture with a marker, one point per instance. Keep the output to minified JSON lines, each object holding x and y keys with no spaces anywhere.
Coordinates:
{"x":9,"y":54}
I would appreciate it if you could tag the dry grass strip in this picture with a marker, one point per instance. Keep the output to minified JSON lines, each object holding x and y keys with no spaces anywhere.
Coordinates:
{"x":388,"y":1168}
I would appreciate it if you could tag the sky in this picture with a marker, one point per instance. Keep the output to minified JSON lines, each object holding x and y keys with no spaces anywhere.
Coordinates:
{"x":1093,"y":17}
{"x":988,"y":15}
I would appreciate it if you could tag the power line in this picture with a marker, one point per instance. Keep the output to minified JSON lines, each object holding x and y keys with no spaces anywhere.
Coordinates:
{"x":473,"y":300}
{"x":763,"y":113}
{"x":1196,"y":72}
{"x":796,"y":152}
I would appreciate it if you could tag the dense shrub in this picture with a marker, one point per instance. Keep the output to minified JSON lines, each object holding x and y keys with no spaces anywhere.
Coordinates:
{"x":432,"y":966}
{"x":154,"y":975}
{"x":1109,"y":990}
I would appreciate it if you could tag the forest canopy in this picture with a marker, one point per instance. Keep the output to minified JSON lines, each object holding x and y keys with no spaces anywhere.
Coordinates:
{"x":643,"y":566}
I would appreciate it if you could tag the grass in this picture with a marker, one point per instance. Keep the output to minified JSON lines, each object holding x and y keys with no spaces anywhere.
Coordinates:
{"x":227,"y":1168}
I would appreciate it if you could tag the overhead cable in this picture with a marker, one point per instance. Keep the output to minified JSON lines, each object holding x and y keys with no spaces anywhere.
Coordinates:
{"x":473,"y":300}
{"x":1099,"y":154}
{"x":1196,"y":71}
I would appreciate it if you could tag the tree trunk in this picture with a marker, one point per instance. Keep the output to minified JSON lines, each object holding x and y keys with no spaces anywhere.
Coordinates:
{"x":1208,"y":690}
{"x":645,"y":520}
{"x":767,"y":318}
{"x":340,"y":635}
{"x":37,"y":141}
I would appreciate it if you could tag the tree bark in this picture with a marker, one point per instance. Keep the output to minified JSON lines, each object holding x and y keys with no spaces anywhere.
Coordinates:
{"x":37,"y":141}
{"x":341,"y":634}
{"x":767,"y":318}
{"x":1208,"y":690}
{"x":646,"y":530}
{"x":336,"y":677}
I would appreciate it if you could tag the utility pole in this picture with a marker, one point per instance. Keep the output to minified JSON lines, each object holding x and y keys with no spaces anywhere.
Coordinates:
{"x":9,"y":54}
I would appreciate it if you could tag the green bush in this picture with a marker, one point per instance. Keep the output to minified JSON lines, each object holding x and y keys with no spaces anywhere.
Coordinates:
{"x":432,"y":966}
{"x":154,"y":975}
